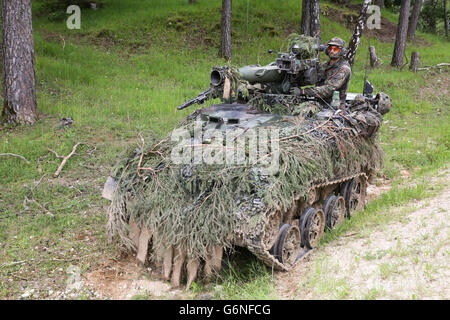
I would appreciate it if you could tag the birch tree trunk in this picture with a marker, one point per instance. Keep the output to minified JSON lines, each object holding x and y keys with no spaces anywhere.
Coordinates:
{"x":225,"y":47}
{"x":19,"y":84}
{"x":400,"y":38}
{"x":413,"y":19}
{"x":356,"y":37}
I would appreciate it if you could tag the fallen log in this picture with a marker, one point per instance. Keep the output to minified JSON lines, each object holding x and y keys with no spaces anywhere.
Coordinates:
{"x":438,"y":66}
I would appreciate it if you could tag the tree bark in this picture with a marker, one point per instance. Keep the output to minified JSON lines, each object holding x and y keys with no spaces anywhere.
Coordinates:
{"x":413,"y":19}
{"x":225,"y":47}
{"x":356,"y":37}
{"x":374,"y":62}
{"x":415,"y":59}
{"x":445,"y":18}
{"x":315,"y":18}
{"x":306,"y":17}
{"x":19,"y":83}
{"x":379,"y":3}
{"x":400,"y":38}
{"x":431,"y":23}
{"x":311,"y":18}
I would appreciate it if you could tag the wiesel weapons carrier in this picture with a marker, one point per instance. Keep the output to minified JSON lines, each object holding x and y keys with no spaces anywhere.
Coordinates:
{"x":178,"y":202}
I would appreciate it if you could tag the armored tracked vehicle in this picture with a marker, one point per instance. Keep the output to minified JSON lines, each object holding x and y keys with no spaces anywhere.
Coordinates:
{"x":267,"y":169}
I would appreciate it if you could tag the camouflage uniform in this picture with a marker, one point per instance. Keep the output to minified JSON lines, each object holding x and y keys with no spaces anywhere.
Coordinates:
{"x":333,"y":77}
{"x":368,"y":119}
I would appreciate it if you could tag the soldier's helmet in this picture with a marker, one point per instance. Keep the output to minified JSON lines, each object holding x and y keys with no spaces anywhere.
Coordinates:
{"x":335,"y":47}
{"x":384,"y":103}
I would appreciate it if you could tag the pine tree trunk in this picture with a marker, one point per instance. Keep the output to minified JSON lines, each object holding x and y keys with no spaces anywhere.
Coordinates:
{"x":400,"y":38}
{"x":306,"y":17}
{"x":356,"y":37}
{"x":415,"y":59}
{"x":19,"y":86}
{"x":431,"y":23}
{"x":225,"y":47}
{"x":445,"y":18}
{"x":413,"y":19}
{"x":374,"y":62}
{"x":315,"y":18}
{"x":379,"y":3}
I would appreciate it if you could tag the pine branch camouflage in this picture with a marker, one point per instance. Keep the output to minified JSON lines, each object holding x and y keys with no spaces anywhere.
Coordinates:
{"x":230,"y":202}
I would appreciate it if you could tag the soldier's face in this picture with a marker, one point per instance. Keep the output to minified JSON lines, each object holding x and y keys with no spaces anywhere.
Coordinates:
{"x":333,"y":51}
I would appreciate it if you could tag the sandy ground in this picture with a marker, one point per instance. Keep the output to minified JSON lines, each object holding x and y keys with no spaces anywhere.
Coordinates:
{"x":405,"y":259}
{"x":124,"y":280}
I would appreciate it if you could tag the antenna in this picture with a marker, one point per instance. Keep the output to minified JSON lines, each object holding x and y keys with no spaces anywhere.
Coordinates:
{"x":367,"y":60}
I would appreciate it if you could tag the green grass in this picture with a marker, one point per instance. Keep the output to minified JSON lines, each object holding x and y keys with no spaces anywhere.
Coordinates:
{"x":125,"y":71}
{"x":251,"y":282}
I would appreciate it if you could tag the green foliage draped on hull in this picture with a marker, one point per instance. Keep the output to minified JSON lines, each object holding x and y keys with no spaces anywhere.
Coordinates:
{"x":195,"y":206}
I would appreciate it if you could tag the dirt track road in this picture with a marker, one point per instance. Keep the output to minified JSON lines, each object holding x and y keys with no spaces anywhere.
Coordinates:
{"x":406,"y":259}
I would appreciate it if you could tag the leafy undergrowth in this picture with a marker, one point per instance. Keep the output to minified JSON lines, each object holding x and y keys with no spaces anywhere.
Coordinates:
{"x":125,"y":71}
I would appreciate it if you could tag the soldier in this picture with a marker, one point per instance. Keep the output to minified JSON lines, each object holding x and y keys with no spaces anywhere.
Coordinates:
{"x":334,"y":74}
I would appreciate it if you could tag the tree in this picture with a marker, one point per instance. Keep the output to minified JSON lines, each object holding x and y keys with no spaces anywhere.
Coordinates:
{"x":306,"y":17}
{"x":412,"y":26}
{"x":429,"y":15}
{"x":445,"y":18}
{"x":379,"y":3}
{"x":315,"y":18}
{"x":356,"y":37}
{"x":311,"y":17}
{"x":19,"y":84}
{"x":400,"y":38}
{"x":225,"y":45}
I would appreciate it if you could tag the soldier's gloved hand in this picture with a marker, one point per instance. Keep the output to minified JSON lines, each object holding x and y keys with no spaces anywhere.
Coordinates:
{"x":308,"y":92}
{"x":295,"y":91}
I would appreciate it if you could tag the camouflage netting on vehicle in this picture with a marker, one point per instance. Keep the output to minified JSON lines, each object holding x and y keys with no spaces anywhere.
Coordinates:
{"x":284,"y":104}
{"x":307,"y":45}
{"x":195,"y":207}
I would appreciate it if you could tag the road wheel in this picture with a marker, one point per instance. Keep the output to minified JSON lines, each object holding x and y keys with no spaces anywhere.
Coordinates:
{"x":314,"y":228}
